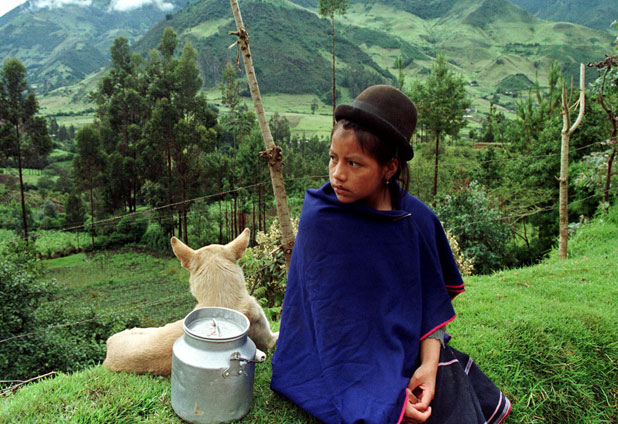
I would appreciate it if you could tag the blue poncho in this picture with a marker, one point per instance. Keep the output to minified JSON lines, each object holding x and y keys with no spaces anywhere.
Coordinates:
{"x":364,"y":288}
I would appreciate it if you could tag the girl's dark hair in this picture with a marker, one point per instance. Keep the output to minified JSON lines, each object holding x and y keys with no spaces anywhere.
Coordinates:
{"x":382,"y":151}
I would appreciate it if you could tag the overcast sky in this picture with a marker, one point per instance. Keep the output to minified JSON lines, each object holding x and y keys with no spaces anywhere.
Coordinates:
{"x":120,"y":5}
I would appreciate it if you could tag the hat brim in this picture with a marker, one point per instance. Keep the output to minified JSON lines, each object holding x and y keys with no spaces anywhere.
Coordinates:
{"x":361,"y":114}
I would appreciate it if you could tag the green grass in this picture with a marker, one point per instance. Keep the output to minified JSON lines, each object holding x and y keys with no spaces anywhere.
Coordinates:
{"x":155,"y":288}
{"x":546,"y":335}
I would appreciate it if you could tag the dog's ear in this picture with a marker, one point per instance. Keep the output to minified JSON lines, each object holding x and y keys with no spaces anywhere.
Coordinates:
{"x":239,"y":244}
{"x":183,"y":252}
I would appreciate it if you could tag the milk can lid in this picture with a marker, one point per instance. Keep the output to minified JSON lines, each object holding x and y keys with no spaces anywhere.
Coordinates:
{"x":216,"y":324}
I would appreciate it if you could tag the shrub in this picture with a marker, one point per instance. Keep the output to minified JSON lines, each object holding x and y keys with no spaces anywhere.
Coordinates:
{"x":49,"y":209}
{"x":21,"y":293}
{"x":480,"y":229}
{"x":264,"y":268}
{"x":131,"y":228}
{"x":154,"y":238}
{"x":38,"y":335}
{"x":465,"y":265}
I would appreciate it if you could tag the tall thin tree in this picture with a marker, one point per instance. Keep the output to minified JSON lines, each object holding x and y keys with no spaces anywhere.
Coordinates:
{"x":442,"y":101}
{"x":23,"y":134}
{"x":612,"y":114}
{"x":328,"y":9}
{"x":88,"y":164}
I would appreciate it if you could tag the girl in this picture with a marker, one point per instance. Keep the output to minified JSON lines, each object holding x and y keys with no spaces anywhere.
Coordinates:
{"x":370,"y":286}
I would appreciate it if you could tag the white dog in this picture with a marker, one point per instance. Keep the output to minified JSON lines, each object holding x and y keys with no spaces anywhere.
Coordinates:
{"x":216,"y":280}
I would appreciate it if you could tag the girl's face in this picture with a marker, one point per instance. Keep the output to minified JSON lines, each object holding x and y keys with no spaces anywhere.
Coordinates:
{"x":355,"y":175}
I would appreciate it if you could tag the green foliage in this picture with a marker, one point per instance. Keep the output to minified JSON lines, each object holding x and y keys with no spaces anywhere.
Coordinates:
{"x":441,"y":100}
{"x":154,"y":239}
{"x":264,"y":267}
{"x":132,"y":227}
{"x":514,"y":83}
{"x":75,"y":211}
{"x":23,"y":134}
{"x":480,"y":229}
{"x":29,"y":347}
{"x":53,"y":243}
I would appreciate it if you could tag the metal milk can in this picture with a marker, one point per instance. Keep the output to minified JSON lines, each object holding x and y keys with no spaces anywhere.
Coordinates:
{"x":213,"y":366}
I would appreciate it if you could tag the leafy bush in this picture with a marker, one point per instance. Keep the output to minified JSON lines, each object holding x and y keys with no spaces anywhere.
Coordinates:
{"x":481,"y":230}
{"x":132,"y":227}
{"x":21,"y":293}
{"x":49,"y":209}
{"x":465,"y":265}
{"x":264,"y":268}
{"x":38,"y":336}
{"x":154,"y":238}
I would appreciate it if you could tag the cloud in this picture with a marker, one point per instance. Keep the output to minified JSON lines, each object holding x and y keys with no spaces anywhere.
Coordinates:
{"x":126,"y":5}
{"x":115,"y":5}
{"x":40,"y":4}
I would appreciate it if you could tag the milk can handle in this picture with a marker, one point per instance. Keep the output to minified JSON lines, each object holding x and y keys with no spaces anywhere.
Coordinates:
{"x":236,"y":357}
{"x":238,"y":369}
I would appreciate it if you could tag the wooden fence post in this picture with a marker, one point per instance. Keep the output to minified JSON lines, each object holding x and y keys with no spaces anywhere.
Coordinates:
{"x":273,"y":152}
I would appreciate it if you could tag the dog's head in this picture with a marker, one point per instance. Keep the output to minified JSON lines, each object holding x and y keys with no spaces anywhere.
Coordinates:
{"x":214,"y":262}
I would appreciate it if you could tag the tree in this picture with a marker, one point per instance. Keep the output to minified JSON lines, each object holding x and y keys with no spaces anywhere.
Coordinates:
{"x":230,"y":88}
{"x":328,"y":9}
{"x":193,"y":131}
{"x":401,"y":77}
{"x":608,"y":99}
{"x":75,"y":211}
{"x":88,"y":164}
{"x":481,"y":229}
{"x":442,"y":101}
{"x":123,"y":111}
{"x":314,"y":105}
{"x":23,"y":134}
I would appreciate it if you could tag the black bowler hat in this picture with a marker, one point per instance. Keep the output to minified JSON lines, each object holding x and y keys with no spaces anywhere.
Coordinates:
{"x":386,"y":112}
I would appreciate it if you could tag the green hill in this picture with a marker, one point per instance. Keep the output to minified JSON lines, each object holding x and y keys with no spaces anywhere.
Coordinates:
{"x":289,"y":44}
{"x":485,"y":41}
{"x":61,"y":45}
{"x":598,"y":14}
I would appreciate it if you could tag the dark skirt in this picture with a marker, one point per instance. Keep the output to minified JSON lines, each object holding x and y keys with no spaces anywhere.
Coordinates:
{"x":464,"y":394}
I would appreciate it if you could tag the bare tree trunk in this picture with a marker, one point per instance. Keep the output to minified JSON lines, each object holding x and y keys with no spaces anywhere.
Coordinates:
{"x":608,"y":174}
{"x":21,"y":186}
{"x":92,"y":212}
{"x":567,"y":130}
{"x":332,"y":19}
{"x":435,"y":171}
{"x":273,"y":152}
{"x":220,"y":221}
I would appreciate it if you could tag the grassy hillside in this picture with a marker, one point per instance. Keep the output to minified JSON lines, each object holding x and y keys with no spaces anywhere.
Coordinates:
{"x":485,"y":41}
{"x":598,"y":14}
{"x":290,"y":45}
{"x":545,"y":334}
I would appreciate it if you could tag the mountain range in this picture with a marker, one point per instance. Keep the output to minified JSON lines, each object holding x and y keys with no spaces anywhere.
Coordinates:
{"x":494,"y":44}
{"x":62,"y":42}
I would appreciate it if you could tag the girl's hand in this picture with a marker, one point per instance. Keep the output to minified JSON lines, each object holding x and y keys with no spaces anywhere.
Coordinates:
{"x":421,"y":390}
{"x":422,"y":386}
